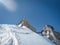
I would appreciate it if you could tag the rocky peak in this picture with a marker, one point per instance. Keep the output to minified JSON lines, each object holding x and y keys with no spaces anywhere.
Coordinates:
{"x":50,"y":32}
{"x":24,"y":22}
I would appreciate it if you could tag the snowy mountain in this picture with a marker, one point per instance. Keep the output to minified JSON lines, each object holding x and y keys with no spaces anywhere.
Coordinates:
{"x":49,"y":32}
{"x":24,"y":22}
{"x":15,"y":35}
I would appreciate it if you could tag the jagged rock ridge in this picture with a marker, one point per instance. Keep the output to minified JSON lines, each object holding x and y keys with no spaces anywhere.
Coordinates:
{"x":24,"y":22}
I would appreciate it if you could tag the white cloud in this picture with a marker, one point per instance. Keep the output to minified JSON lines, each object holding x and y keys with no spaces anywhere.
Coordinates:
{"x":9,"y":4}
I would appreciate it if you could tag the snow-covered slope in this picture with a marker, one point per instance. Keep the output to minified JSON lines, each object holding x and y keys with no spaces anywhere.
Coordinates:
{"x":14,"y":35}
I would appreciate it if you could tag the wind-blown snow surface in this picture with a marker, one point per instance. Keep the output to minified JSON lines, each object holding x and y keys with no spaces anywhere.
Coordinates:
{"x":14,"y":35}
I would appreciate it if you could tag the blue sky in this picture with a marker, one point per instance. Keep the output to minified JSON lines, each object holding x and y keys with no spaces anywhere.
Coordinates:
{"x":37,"y":12}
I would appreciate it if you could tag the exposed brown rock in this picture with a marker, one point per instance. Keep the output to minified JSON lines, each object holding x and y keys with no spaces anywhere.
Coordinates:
{"x":24,"y":22}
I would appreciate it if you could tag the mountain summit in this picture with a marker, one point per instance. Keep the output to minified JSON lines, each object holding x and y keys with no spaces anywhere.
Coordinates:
{"x":24,"y":22}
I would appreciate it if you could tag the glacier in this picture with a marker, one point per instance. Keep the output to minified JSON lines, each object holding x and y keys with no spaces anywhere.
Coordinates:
{"x":14,"y":35}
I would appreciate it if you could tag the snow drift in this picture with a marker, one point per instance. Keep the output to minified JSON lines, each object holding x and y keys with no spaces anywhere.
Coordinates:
{"x":14,"y":35}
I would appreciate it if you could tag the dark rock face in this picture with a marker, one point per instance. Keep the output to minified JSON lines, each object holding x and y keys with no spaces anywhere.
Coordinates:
{"x":50,"y":33}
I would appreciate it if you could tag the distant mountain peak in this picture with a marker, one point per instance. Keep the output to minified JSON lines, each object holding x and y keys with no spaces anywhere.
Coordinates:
{"x":24,"y":22}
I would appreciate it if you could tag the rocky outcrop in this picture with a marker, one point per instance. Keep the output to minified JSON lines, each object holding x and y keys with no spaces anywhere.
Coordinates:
{"x":51,"y":34}
{"x":24,"y":22}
